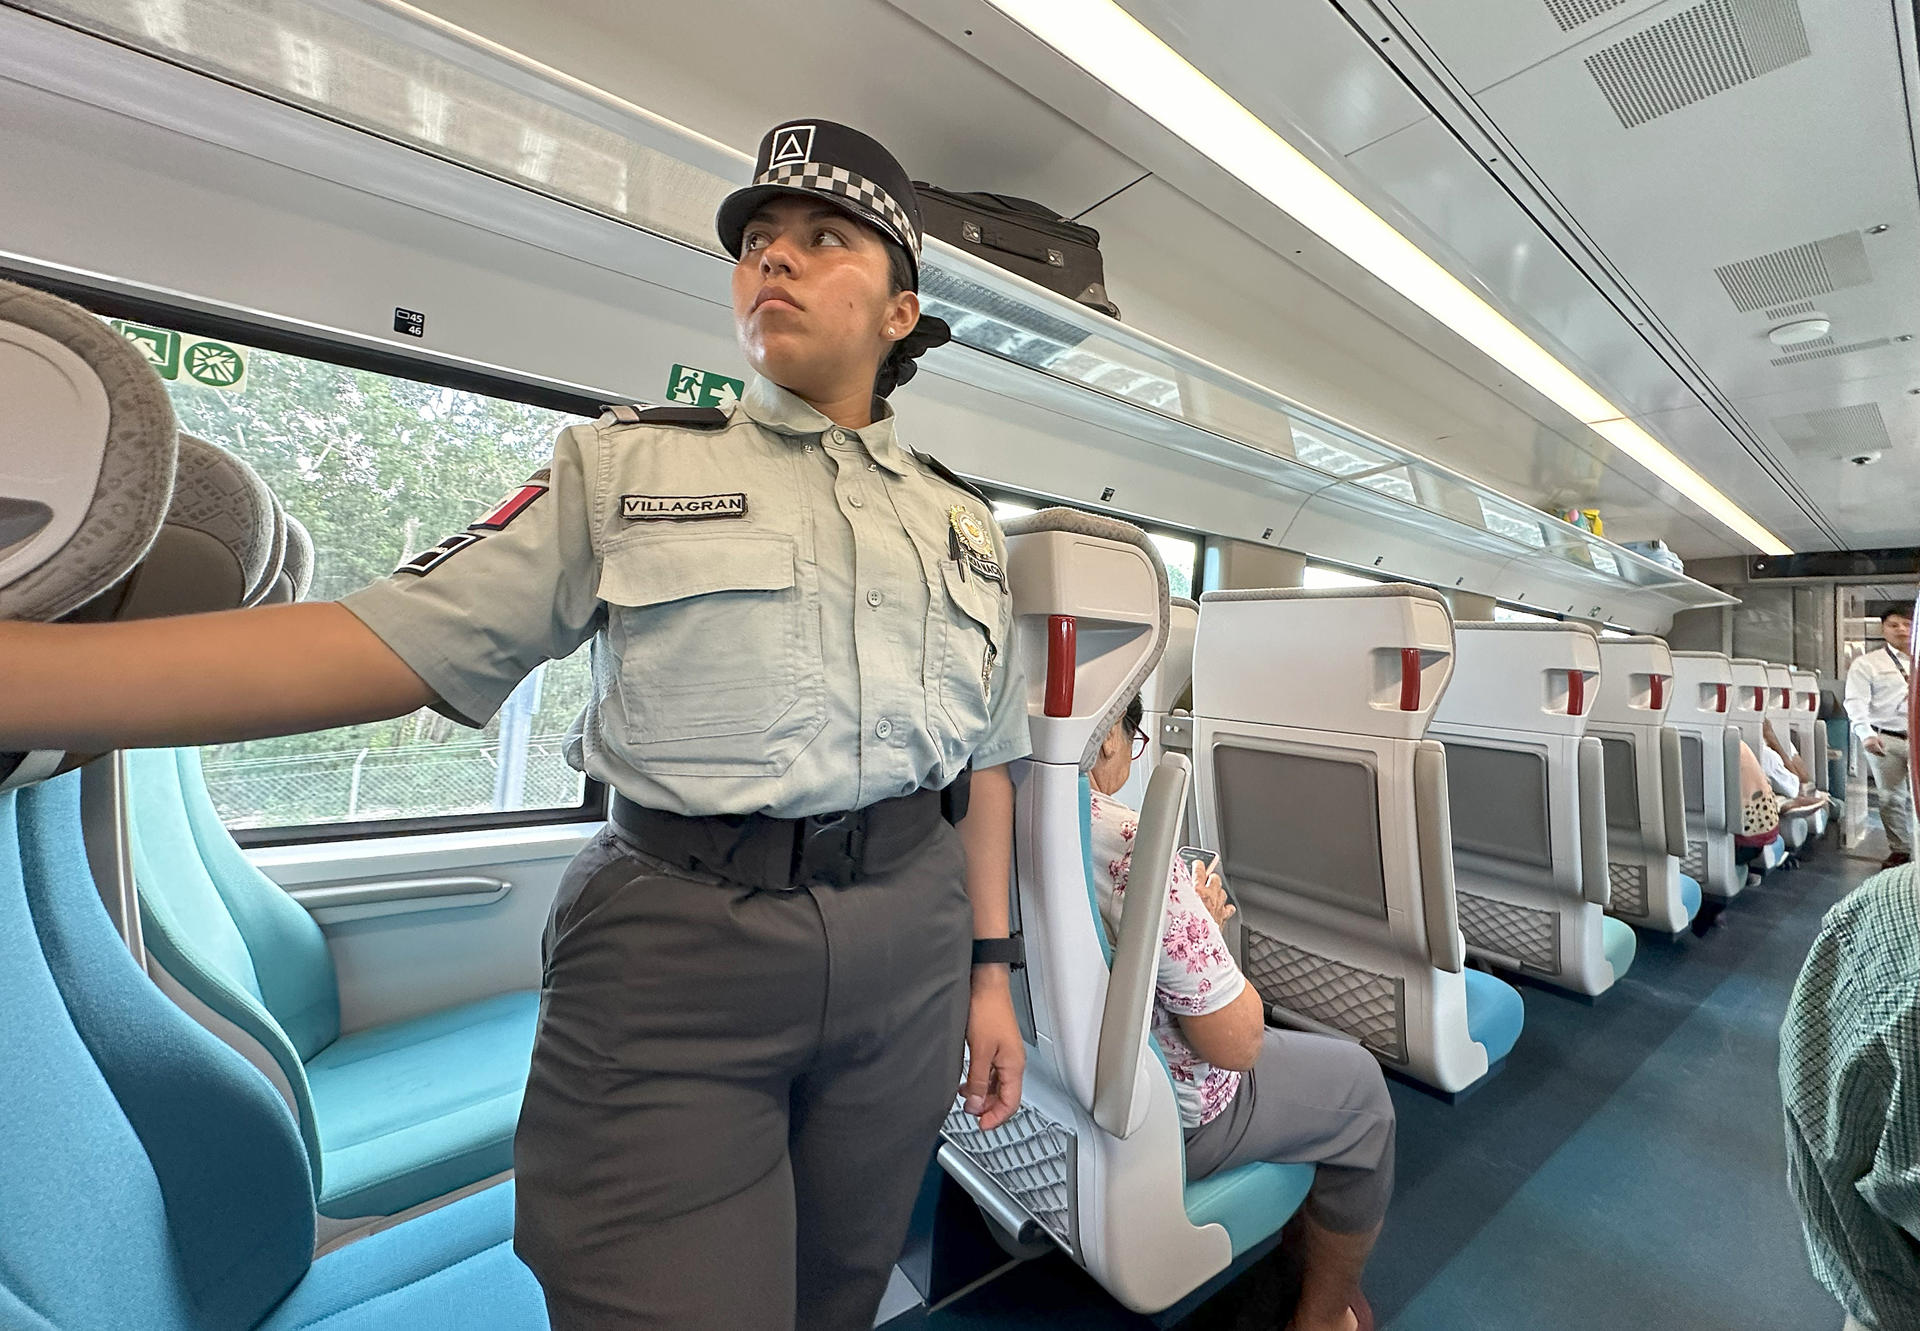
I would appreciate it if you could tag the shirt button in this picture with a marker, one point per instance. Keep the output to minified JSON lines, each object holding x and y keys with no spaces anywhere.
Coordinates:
{"x":873,"y":466}
{"x":874,"y":597}
{"x":839,"y":436}
{"x":855,"y":501}
{"x":884,"y":728}
{"x":807,"y":449}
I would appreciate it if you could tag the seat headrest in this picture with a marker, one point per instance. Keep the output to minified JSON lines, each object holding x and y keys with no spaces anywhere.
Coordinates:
{"x":1702,"y":689}
{"x":1636,"y":681}
{"x":214,"y":550}
{"x":1533,"y":677}
{"x":1749,"y":687}
{"x":1806,"y":692}
{"x":87,"y":453}
{"x":1358,"y":660}
{"x":1779,"y":689}
{"x":1105,"y":576}
{"x":1170,"y":678}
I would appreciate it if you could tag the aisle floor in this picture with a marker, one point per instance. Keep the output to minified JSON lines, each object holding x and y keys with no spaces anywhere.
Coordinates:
{"x":1625,"y":1168}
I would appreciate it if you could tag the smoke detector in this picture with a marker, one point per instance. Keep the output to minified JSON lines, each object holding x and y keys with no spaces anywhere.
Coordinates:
{"x":1798,"y":332}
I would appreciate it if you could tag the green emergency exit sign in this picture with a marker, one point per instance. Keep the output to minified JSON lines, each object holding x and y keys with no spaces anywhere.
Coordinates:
{"x":702,"y":388}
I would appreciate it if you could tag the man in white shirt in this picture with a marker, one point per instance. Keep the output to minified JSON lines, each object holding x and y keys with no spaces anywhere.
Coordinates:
{"x":1877,"y":706}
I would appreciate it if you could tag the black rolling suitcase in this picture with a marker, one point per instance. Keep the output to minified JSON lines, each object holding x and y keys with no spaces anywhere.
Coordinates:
{"x":1022,"y":237}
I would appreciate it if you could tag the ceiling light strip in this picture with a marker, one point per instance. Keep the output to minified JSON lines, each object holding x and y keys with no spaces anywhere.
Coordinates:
{"x":1115,"y":48}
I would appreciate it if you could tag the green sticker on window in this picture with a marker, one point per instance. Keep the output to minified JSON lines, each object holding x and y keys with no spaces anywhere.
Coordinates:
{"x":203,"y":360}
{"x":161,"y":346}
{"x":702,"y":388}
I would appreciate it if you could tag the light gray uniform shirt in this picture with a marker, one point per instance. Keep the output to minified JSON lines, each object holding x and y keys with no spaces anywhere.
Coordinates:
{"x":1877,"y":690}
{"x":786,"y":617}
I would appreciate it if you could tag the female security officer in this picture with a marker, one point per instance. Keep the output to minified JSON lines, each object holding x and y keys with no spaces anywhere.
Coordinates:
{"x":758,"y":976}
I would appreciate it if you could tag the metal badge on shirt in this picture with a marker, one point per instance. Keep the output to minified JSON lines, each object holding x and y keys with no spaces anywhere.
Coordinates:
{"x":969,"y":544}
{"x":682,"y":508}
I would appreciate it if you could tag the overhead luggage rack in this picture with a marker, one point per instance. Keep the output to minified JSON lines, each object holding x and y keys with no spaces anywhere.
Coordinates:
{"x":388,"y":69}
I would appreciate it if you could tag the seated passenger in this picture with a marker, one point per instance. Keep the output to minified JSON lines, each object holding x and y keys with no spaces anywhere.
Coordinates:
{"x":1759,"y":810}
{"x":1246,"y":1092}
{"x":1787,"y":775}
{"x":1850,"y":1081}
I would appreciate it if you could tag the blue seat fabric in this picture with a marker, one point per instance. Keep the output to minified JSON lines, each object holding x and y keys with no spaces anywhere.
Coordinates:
{"x":153,"y":1179}
{"x":452,"y":1269}
{"x":1689,"y":895}
{"x":421,"y":1108}
{"x":392,"y":1116}
{"x":1495,"y":1013}
{"x":1619,"y":942}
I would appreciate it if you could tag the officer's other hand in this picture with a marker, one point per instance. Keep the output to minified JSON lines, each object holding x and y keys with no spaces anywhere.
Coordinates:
{"x":1875,"y":745}
{"x":997,"y":1060}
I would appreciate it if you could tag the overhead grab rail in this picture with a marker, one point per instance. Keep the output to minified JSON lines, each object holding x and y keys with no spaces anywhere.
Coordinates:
{"x":1136,"y":952}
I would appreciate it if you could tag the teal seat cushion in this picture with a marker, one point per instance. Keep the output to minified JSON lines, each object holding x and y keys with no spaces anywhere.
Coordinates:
{"x":1618,"y":942}
{"x":1690,"y":895}
{"x":452,"y":1269}
{"x":416,"y":1109}
{"x":1495,"y":1013}
{"x":1251,"y":1202}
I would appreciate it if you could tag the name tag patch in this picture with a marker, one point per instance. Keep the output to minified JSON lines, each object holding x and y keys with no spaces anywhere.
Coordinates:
{"x":681,"y":508}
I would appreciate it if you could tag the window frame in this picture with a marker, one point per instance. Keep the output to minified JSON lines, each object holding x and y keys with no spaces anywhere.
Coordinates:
{"x":594,"y":799}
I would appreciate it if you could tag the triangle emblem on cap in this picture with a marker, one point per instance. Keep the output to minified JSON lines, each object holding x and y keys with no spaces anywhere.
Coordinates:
{"x":792,"y":143}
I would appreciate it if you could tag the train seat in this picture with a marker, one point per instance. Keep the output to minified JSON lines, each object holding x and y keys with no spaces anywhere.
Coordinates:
{"x":148,"y":1166}
{"x":1328,"y":807}
{"x":153,"y":1179}
{"x":1709,"y":770}
{"x":1646,"y":809}
{"x":1529,"y":804}
{"x":1095,"y":1158}
{"x":393,"y":1116}
{"x":1810,"y":736}
{"x":1797,"y":828}
{"x":1752,"y":684}
{"x":1160,"y":695}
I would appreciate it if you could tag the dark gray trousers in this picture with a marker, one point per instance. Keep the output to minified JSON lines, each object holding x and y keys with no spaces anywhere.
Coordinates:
{"x":1310,"y":1099}
{"x":735,"y":1092}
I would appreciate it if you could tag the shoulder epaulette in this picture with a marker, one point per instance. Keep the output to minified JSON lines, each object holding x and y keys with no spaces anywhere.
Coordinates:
{"x":945,"y":473}
{"x":687,"y":418}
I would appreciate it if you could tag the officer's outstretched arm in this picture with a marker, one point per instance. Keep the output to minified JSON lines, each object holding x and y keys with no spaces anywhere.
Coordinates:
{"x":197,"y":679}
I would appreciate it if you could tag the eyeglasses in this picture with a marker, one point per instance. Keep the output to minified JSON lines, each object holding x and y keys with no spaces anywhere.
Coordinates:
{"x":1139,"y":745}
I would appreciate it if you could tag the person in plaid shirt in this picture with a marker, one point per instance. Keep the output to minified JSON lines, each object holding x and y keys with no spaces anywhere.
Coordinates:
{"x":1850,"y":1080}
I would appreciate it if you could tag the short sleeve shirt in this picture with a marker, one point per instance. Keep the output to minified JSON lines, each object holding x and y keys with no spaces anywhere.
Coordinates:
{"x":1196,"y":973}
{"x":786,"y":617}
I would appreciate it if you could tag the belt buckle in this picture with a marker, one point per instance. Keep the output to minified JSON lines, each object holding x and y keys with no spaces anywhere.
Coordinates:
{"x":829,"y":848}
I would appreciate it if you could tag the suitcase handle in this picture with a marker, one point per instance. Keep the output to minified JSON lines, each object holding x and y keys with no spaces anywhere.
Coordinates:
{"x":993,"y":238}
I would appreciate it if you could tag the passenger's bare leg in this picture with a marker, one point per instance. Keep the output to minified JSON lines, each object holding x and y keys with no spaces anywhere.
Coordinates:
{"x":1331,"y":1279}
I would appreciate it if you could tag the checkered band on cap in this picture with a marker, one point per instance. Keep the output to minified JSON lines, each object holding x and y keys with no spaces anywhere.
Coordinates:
{"x":820,"y":177}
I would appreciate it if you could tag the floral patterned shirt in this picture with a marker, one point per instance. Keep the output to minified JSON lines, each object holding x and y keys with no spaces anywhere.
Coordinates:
{"x":1197,"y":974}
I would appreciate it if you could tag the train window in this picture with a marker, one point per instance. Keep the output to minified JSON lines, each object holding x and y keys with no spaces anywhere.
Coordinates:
{"x":1321,"y":575}
{"x":378,"y":468}
{"x":1513,"y":614}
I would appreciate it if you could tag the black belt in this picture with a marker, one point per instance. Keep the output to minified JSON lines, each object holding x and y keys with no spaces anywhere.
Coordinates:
{"x":1896,"y":734}
{"x":780,"y":854}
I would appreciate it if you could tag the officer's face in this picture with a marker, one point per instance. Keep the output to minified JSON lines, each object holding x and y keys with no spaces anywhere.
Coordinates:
{"x":812,"y":300}
{"x":1898,"y":631}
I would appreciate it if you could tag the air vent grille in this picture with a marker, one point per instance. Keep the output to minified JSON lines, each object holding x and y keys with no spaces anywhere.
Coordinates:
{"x":1797,"y":272}
{"x":1836,"y":431}
{"x":1570,"y":14}
{"x":1788,"y":311}
{"x":1697,"y":53}
{"x":1825,"y":348}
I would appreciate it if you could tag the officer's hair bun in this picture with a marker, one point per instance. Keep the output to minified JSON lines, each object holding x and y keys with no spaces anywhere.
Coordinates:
{"x":899,"y":365}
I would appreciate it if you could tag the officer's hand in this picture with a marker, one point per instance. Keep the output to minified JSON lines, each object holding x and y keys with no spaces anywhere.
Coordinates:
{"x":1875,"y":745}
{"x":996,"y":1057}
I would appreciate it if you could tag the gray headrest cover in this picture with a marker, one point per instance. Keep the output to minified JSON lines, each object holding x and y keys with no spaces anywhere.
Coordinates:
{"x":1108,"y":529}
{"x":276,"y":555}
{"x":137,"y":464}
{"x":214,"y":547}
{"x":299,"y":563}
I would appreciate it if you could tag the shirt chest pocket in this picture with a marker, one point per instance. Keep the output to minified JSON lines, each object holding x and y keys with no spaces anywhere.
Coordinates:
{"x":973,"y":651}
{"x":712,"y":634}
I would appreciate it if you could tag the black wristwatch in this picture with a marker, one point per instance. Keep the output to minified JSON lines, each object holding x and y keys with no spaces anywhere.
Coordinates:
{"x":1000,"y":951}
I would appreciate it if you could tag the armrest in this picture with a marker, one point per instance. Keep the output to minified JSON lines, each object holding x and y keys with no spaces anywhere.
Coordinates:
{"x":1433,"y":832}
{"x":1595,"y":883}
{"x":1673,"y":792}
{"x":398,"y":896}
{"x":1730,"y":759}
{"x":1136,"y":952}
